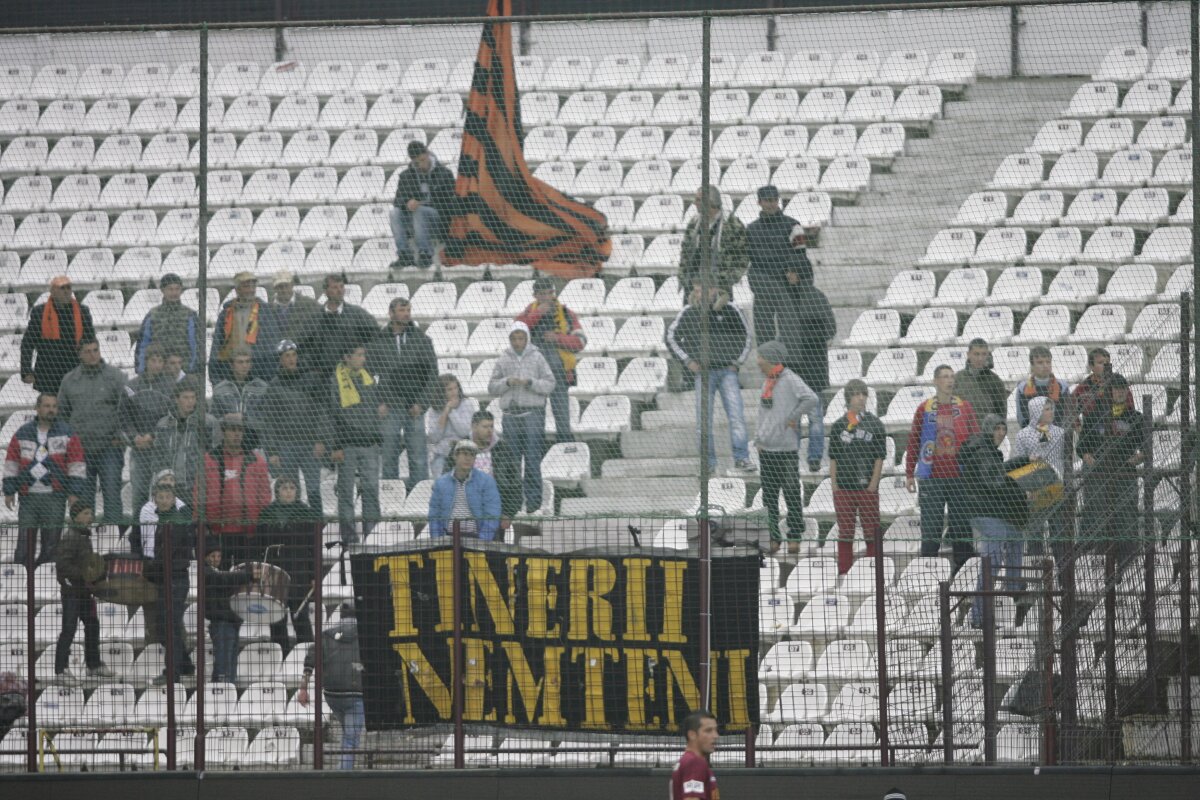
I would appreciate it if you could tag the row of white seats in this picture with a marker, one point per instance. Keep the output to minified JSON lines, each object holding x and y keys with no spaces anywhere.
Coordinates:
{"x":1128,"y":63}
{"x":1090,"y":208}
{"x":1080,"y":169}
{"x":1109,"y":135}
{"x":1020,"y":287}
{"x":277,"y":747}
{"x":915,"y":105}
{"x":1145,"y":98}
{"x":428,"y":76}
{"x":1008,"y":246}
{"x":1049,"y":324}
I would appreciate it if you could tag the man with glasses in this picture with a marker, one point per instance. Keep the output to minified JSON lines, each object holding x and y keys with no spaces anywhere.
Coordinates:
{"x":56,"y":327}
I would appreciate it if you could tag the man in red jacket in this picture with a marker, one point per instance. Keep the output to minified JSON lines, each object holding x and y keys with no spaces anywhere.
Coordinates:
{"x":555,"y":330}
{"x":237,"y":488}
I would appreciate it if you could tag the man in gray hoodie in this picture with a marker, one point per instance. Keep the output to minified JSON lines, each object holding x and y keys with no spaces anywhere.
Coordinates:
{"x":341,"y":673}
{"x":785,"y":399}
{"x":521,"y":381}
{"x":89,"y":400}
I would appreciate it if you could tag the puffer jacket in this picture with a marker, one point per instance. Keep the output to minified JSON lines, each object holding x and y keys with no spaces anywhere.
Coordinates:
{"x":341,"y":663}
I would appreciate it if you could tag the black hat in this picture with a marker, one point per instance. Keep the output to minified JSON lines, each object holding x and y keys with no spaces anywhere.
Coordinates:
{"x":170,"y":279}
{"x":543,"y":284}
{"x":1117,"y":379}
{"x":768,"y":193}
{"x":415,"y":148}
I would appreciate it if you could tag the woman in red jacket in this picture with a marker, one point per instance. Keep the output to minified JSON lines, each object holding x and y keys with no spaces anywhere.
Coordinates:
{"x":237,"y":488}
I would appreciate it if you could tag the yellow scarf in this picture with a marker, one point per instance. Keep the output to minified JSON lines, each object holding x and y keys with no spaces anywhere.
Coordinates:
{"x":569,"y":359}
{"x":347,"y":390}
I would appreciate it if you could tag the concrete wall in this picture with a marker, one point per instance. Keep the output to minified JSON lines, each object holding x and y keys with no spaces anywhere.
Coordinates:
{"x":1053,"y":40}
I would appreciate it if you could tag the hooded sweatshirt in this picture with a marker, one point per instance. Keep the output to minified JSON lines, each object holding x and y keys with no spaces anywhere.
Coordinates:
{"x":790,"y":400}
{"x":341,"y":663}
{"x":1036,"y":444}
{"x":993,"y":493}
{"x":434,"y":188}
{"x":530,"y":364}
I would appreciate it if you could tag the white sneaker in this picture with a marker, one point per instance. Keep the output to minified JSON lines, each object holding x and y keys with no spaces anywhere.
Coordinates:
{"x":744,"y":467}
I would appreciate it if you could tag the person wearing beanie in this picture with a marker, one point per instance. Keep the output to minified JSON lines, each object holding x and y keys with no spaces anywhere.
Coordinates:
{"x":171,"y":325}
{"x":425,"y":200}
{"x":556,"y":330}
{"x":778,"y":259}
{"x":784,"y":400}
{"x":521,"y":381}
{"x":857,"y":448}
{"x":291,"y":531}
{"x":178,"y":436}
{"x":293,"y":449}
{"x":998,"y":506}
{"x":1042,"y":440}
{"x":341,"y":678}
{"x":146,"y":400}
{"x":895,"y":794}
{"x":78,"y":567}
{"x":1110,"y":445}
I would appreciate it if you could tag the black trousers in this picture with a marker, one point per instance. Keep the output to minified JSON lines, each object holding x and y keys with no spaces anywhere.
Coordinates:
{"x":298,"y":606}
{"x":767,"y":306}
{"x":780,"y":472}
{"x":78,"y":604}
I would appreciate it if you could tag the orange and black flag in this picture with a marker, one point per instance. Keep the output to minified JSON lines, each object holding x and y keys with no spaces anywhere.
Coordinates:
{"x":505,"y":215}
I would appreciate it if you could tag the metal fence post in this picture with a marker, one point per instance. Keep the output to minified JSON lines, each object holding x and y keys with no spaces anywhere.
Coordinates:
{"x":947,"y":673}
{"x":989,"y":663}
{"x":456,"y":662}
{"x":1111,"y":728}
{"x":31,"y":740}
{"x":201,"y":484}
{"x":167,"y":615}
{"x":1185,"y":524}
{"x":704,"y":396}
{"x":318,"y":698}
{"x":885,"y":758}
{"x":1150,"y":478}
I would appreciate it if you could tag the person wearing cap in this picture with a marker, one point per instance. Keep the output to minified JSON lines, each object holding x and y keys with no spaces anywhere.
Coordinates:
{"x":293,"y":449}
{"x":292,"y":532}
{"x":77,"y":567}
{"x":557,"y":331}
{"x":778,"y":260}
{"x":357,"y":410}
{"x":999,"y":510}
{"x":237,"y":487}
{"x":341,"y":680}
{"x":424,"y":200}
{"x":729,"y":346}
{"x":726,"y":256}
{"x":177,"y":437}
{"x":338,"y":325}
{"x":857,"y":448}
{"x":167,"y":533}
{"x":44,"y":469}
{"x":50,"y":344}
{"x":241,"y":393}
{"x":403,"y":358}
{"x":465,"y":495}
{"x":146,"y":400}
{"x":171,"y":325}
{"x":244,"y":323}
{"x":521,"y":381}
{"x":1110,"y":444}
{"x":89,"y":400}
{"x":293,"y":312}
{"x":785,"y":398}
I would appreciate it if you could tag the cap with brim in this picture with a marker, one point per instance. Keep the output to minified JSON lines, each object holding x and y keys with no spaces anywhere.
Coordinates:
{"x":233,"y":421}
{"x":244,"y":276}
{"x":467,"y":445}
{"x":170,"y":279}
{"x":285,"y":346}
{"x":768,"y":193}
{"x":283,"y":277}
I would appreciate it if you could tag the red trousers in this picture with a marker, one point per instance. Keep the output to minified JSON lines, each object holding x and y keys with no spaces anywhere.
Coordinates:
{"x":848,"y":505}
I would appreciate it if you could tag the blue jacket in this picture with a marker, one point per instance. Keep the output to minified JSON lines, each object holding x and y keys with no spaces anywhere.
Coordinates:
{"x":483,"y":496}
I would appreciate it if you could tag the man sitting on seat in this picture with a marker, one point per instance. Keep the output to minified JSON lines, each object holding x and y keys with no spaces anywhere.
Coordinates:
{"x":424,"y":197}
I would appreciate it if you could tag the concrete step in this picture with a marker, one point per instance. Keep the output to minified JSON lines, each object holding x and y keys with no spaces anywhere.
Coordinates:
{"x":627,"y":506}
{"x":650,"y":467}
{"x":672,"y":401}
{"x":621,"y":487}
{"x":679,"y":418}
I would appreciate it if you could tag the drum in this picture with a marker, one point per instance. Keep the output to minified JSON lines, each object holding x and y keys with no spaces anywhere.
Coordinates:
{"x":123,"y":582}
{"x":263,"y":600}
{"x":1042,"y":484}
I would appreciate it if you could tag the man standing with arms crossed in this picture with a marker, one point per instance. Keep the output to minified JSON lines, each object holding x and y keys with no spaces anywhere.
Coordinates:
{"x":693,"y":776}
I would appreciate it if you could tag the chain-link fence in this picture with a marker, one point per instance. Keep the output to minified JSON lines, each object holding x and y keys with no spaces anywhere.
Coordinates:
{"x":381,"y":368}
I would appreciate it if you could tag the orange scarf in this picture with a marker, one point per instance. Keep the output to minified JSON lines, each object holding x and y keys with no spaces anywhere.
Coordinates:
{"x":251,"y":329}
{"x":50,"y":324}
{"x":772,"y":377}
{"x":851,"y":420}
{"x":1055,"y":388}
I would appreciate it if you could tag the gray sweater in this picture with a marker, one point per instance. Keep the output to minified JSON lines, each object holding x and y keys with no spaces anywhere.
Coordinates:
{"x":529,"y":364}
{"x":89,"y":399}
{"x":791,"y":400}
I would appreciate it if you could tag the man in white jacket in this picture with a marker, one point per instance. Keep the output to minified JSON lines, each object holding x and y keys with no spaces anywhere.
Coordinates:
{"x":521,"y":381}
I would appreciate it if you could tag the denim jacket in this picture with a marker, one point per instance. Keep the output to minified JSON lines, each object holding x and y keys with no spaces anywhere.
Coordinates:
{"x":483,"y":497}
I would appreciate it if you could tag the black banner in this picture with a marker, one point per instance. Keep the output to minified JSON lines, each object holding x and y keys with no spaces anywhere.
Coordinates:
{"x":589,"y":641}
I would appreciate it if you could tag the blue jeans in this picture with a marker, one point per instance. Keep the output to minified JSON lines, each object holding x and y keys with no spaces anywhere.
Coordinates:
{"x":816,"y":431}
{"x":361,"y":466}
{"x":725,"y":381}
{"x":526,"y":433}
{"x":106,"y":466}
{"x":348,"y":711}
{"x":425,"y":221}
{"x":225,"y":635}
{"x":295,"y":459}
{"x":401,"y":430}
{"x":943,"y":500}
{"x":1002,"y":543}
{"x":560,"y":400}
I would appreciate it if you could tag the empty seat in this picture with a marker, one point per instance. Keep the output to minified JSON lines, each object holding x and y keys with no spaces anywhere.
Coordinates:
{"x":1174,"y":170}
{"x":881,"y":143}
{"x":1056,"y":246}
{"x":1162,"y":133}
{"x":252,"y":112}
{"x":735,"y":142}
{"x":1000,"y":246}
{"x":1108,"y":245}
{"x":105,"y":117}
{"x":439,"y":111}
{"x":949,"y":248}
{"x":1100,"y":323}
{"x":1093,"y":99}
{"x":70,"y":154}
{"x":821,"y":106}
{"x":629,"y":108}
{"x":76,"y":191}
{"x":992,"y":324}
{"x":1091,"y":209}
{"x":1057,"y":137}
{"x":1038,"y":210}
{"x":854,"y":68}
{"x":598,"y":177}
{"x":1156,"y":322}
{"x":1074,"y":170}
{"x":27,"y":193}
{"x":126,"y":190}
{"x":1127,"y":169}
{"x":1021,"y":171}
{"x":869,"y":104}
{"x":306,"y":147}
{"x":267,"y":187}
{"x":846,"y":177}
{"x":1016,"y":286}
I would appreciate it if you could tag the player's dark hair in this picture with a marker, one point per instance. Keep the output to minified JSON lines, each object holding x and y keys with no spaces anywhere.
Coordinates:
{"x":693,"y":721}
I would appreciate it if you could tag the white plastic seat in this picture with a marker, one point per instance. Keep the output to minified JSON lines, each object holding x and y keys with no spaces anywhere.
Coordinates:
{"x":1019,"y":171}
{"x":663,"y":71}
{"x":878,"y":328}
{"x":1100,"y":323}
{"x":794,"y":174}
{"x":177,"y":227}
{"x":628,"y":109}
{"x":558,"y":174}
{"x":1017,"y":287}
{"x":618,"y":210}
{"x":811,"y":209}
{"x":312,"y":185}
{"x":598,"y":177}
{"x":1091,"y":209}
{"x":61,"y":117}
{"x":1011,"y":364}
{"x":820,"y":106}
{"x":91,"y":267}
{"x":230,"y":225}
{"x":1057,"y":136}
{"x":745,"y":175}
{"x":360,"y":184}
{"x":1108,"y":245}
{"x":910,"y":288}
{"x":274,"y":224}
{"x":1093,"y":99}
{"x":70,"y":154}
{"x":76,"y":191}
{"x":37,"y":231}
{"x":1038,"y":209}
{"x":1056,"y":246}
{"x":845,"y":659}
{"x":1179,"y":282}
{"x":39,"y":267}
{"x":952,"y":69}
{"x":1145,"y":207}
{"x":53,"y":81}
{"x":1174,"y":170}
{"x":252,"y":112}
{"x":27,"y":193}
{"x":1074,"y":170}
{"x":904,"y":404}
{"x":881,"y":143}
{"x":391,"y":111}
{"x":438,"y":111}
{"x":1162,"y":133}
{"x":127,"y":190}
{"x":994,"y":324}
{"x":808,"y":68}
{"x":329,"y":77}
{"x":1110,"y":135}
{"x":1127,"y":169}
{"x":425,"y":76}
{"x":662,"y":212}
{"x":133,"y":229}
{"x":869,"y":104}
{"x":896,"y":367}
{"x":916,"y":105}
{"x":1123,"y":64}
{"x":962,"y":288}
{"x":545,"y":143}
{"x":999,"y":246}
{"x":394,"y":151}
{"x":856,"y":702}
{"x":854,"y":68}
{"x":629,"y":297}
{"x":306,"y":147}
{"x":591,"y":143}
{"x":353,"y":148}
{"x":106,"y":116}
{"x":846,"y":177}
{"x":1045,"y":324}
{"x":1157,"y":322}
{"x":153,"y":115}
{"x":15,"y":80}
{"x":188,"y":120}
{"x":377,"y":77}
{"x":269,"y":186}
{"x":832,"y":141}
{"x":949,"y":248}
{"x":639,"y":143}
{"x":783,"y":142}
{"x":321,"y":222}
{"x":236,"y":78}
{"x":259,"y":149}
{"x":605,"y":416}
{"x":729,"y":107}
{"x":639,"y":336}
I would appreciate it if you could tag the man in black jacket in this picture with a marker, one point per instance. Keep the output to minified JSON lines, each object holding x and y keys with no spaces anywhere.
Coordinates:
{"x":167,"y":540}
{"x":1110,"y":445}
{"x":778,"y":260}
{"x":296,"y":423}
{"x":729,"y":345}
{"x":806,"y":324}
{"x":337,"y":326}
{"x":56,"y":327}
{"x":999,"y":509}
{"x":403,"y":358}
{"x":224,"y":626}
{"x":424,"y":197}
{"x":147,"y":399}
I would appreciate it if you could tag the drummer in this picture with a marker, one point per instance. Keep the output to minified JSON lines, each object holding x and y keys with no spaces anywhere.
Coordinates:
{"x":289,"y":532}
{"x":224,"y":626}
{"x":78,"y":566}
